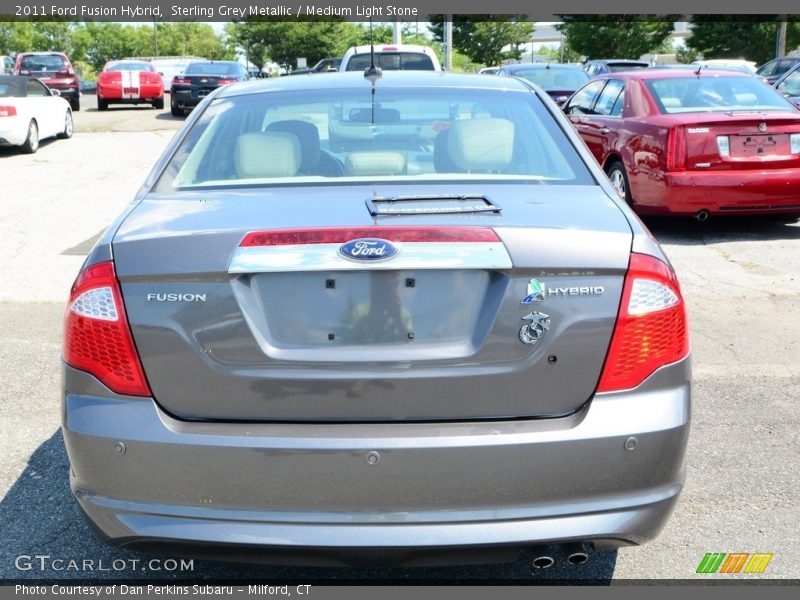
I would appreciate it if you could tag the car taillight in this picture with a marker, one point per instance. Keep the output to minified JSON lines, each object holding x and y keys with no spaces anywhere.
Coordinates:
{"x":226,"y":81}
{"x":97,"y":337}
{"x":651,"y":328}
{"x":181,"y":80}
{"x":676,"y":149}
{"x":8,"y":111}
{"x":111,"y":77}
{"x":794,"y":143}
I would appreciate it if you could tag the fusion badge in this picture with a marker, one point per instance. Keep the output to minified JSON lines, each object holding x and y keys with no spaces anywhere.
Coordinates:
{"x":538,"y":324}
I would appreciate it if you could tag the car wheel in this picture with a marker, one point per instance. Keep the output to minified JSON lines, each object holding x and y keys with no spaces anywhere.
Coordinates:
{"x":69,"y":126}
{"x":102,"y":104}
{"x":619,"y":179}
{"x":159,"y":104}
{"x":175,"y":109}
{"x":75,"y":104}
{"x":31,"y":144}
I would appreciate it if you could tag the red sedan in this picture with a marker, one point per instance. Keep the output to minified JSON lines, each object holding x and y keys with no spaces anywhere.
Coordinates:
{"x":696,"y":142}
{"x":129,"y":82}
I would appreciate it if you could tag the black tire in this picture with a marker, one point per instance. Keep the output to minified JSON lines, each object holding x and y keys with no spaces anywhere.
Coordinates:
{"x":31,"y":144}
{"x":69,"y":127}
{"x":102,"y":104}
{"x":75,"y":104}
{"x":619,"y":180}
{"x":176,"y":110}
{"x":159,"y":104}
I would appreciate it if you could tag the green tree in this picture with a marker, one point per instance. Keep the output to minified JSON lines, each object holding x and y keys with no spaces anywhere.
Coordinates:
{"x":617,"y":36}
{"x":285,"y":41}
{"x":562,"y":53}
{"x":735,"y":36}
{"x":485,"y":39}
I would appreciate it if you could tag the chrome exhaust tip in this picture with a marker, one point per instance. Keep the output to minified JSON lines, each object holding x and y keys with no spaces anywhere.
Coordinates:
{"x":576,"y":553}
{"x":542,"y":558}
{"x":701,"y":215}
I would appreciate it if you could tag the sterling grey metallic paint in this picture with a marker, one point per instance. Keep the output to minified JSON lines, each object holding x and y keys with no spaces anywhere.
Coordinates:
{"x":288,"y":464}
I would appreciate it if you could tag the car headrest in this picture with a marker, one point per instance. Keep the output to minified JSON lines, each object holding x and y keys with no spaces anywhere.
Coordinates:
{"x":481,"y":144}
{"x":308,"y":135}
{"x":375,"y":163}
{"x":260,"y":154}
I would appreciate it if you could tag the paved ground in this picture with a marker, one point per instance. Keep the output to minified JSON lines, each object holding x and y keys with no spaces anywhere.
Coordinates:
{"x":741,"y":279}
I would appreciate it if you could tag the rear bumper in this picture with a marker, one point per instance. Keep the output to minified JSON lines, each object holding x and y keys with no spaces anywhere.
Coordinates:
{"x":114,"y":95}
{"x":13,"y":132}
{"x":730,"y":192}
{"x":380,"y":486}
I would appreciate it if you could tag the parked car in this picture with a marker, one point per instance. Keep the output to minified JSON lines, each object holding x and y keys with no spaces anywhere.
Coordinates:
{"x":54,"y":70}
{"x":6,"y":65}
{"x":88,"y":86}
{"x":129,"y":82}
{"x":748,"y":65}
{"x":171,"y":66}
{"x":559,"y":81}
{"x":775,"y":69}
{"x":489,"y":70}
{"x":743,"y":69}
{"x":789,"y":84}
{"x":693,"y":142}
{"x":326,"y":65}
{"x":30,"y":112}
{"x":201,"y":78}
{"x":396,"y":57}
{"x":488,"y":354}
{"x":612,"y":65}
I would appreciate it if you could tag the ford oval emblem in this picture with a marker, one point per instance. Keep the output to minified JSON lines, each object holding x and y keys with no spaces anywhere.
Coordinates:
{"x":368,"y":249}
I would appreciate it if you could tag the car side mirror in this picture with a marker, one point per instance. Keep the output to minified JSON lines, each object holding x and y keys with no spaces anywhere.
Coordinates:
{"x":562,"y":101}
{"x":55,"y":92}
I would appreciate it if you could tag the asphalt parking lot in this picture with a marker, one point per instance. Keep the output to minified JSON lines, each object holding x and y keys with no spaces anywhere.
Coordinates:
{"x":741,"y":279}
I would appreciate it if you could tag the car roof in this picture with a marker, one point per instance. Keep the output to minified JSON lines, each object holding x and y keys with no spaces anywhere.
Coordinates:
{"x":365,"y":49}
{"x":528,"y":66}
{"x":670,"y":73}
{"x":607,"y":61}
{"x":52,"y":53}
{"x":390,"y":79}
{"x":17,"y":83}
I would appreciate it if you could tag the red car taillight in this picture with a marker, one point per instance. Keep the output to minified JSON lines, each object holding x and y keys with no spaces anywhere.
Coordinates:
{"x":181,"y":80}
{"x":97,"y":337}
{"x":676,"y":149}
{"x":110,"y":77}
{"x":651,"y":328}
{"x":226,"y":81}
{"x":8,"y":111}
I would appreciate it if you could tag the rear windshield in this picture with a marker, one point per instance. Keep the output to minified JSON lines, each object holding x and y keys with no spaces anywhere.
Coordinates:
{"x":47,"y":62}
{"x":392,"y":61}
{"x":130,"y":66}
{"x":201,"y":68}
{"x":408,"y":135}
{"x":554,"y":79}
{"x":617,"y":67}
{"x":706,"y":93}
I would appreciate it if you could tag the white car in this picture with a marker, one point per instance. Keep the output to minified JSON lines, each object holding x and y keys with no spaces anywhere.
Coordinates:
{"x":30,"y":112}
{"x":6,"y":65}
{"x":749,"y":65}
{"x":169,"y":68}
{"x":396,"y":57}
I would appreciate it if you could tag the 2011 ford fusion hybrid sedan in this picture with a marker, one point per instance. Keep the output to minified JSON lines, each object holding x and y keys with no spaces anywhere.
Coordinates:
{"x":377,"y":318}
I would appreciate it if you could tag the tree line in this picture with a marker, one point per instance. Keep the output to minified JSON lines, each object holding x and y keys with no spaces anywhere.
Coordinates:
{"x":477,"y":39}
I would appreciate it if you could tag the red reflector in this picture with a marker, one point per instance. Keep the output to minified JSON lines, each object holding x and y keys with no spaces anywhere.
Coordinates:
{"x":8,"y":111}
{"x":97,"y":337}
{"x":339,"y":235}
{"x":644,"y":341}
